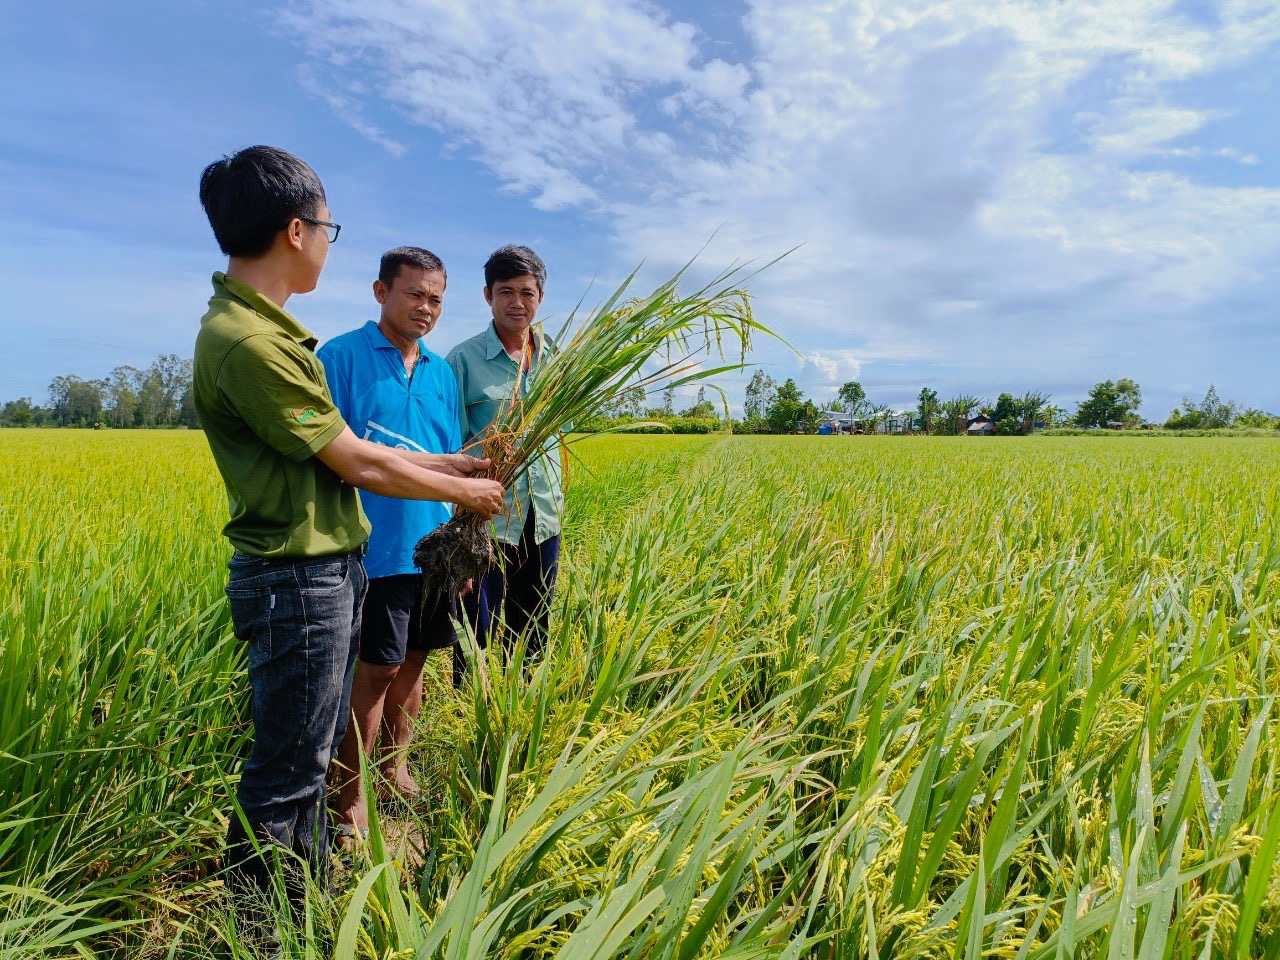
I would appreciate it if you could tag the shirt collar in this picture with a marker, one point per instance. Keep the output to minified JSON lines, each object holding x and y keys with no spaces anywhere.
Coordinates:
{"x":378,"y":340}
{"x":229,"y":288}
{"x":493,"y":343}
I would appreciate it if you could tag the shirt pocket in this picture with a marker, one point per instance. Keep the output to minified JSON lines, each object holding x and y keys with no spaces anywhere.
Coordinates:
{"x":492,"y":400}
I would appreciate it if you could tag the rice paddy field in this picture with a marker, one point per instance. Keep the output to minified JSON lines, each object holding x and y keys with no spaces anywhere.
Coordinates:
{"x":805,"y":697}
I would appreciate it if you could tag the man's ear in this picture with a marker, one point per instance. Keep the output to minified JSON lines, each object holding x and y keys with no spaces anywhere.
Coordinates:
{"x":488,"y":296}
{"x":379,"y":291}
{"x":293,"y":233}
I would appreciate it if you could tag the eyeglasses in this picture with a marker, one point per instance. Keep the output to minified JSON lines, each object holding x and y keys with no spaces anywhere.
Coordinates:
{"x":334,"y":229}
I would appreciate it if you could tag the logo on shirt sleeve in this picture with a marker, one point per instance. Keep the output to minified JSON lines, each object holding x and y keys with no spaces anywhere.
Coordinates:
{"x":305,"y":414}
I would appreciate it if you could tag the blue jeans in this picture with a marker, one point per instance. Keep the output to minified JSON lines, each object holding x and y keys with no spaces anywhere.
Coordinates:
{"x":301,"y":620}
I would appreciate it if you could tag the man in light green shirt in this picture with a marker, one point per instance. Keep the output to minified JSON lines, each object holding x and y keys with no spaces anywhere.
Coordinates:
{"x":491,"y":373}
{"x":518,"y":590}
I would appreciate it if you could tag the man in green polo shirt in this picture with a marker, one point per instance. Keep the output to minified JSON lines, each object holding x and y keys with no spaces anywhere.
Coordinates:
{"x":291,"y":467}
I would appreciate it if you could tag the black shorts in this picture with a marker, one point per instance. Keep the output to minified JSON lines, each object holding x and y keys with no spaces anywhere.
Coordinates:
{"x":390,"y":624}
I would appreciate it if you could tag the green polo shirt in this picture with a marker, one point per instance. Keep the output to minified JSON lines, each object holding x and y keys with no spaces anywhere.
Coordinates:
{"x":265,"y":409}
{"x":486,"y":376}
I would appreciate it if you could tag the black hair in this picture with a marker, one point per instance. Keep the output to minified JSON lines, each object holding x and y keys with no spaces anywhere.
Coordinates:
{"x":512,"y":261}
{"x":393,"y":260}
{"x":250,"y":196}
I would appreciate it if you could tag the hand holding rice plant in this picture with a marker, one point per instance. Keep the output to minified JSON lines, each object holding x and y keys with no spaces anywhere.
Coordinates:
{"x":656,"y":341}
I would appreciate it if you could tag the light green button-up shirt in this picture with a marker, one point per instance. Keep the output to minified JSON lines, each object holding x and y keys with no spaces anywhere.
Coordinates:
{"x":486,"y":376}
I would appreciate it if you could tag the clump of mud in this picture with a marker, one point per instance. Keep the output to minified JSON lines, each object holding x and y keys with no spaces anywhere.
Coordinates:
{"x":450,"y":555}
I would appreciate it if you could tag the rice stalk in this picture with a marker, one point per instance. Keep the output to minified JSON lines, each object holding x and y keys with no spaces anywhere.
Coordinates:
{"x":651,"y":342}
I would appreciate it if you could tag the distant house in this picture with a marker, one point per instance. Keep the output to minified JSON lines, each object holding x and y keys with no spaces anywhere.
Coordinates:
{"x":981,"y":426}
{"x":842,"y":422}
{"x":1117,"y":425}
{"x":838,"y":420}
{"x":901,"y":422}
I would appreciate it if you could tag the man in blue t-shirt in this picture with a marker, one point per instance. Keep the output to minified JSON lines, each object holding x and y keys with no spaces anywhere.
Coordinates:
{"x":392,"y":390}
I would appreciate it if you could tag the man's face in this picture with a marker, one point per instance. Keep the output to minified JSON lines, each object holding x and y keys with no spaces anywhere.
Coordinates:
{"x":514,"y":302}
{"x":314,"y":241}
{"x":411,"y":305}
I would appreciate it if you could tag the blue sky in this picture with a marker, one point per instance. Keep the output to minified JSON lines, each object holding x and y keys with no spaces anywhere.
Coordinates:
{"x":987,"y":196}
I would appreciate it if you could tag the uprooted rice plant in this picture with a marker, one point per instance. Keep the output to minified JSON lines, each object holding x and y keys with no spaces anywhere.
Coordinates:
{"x":654,"y":341}
{"x":821,"y":697}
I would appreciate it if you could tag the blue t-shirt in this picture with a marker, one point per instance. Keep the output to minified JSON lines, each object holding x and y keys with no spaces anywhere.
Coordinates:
{"x":382,"y":403}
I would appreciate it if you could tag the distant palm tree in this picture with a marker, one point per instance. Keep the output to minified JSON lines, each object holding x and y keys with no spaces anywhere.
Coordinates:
{"x":957,"y":412}
{"x":1030,"y":405}
{"x":881,"y":414}
{"x":928,"y":407}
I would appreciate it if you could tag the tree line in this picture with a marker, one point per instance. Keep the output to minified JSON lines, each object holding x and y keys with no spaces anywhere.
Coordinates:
{"x":159,"y":396}
{"x":633,"y":407}
{"x":770,"y":407}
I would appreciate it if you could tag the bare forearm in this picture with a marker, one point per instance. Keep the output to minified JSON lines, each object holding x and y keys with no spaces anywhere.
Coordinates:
{"x":391,"y":474}
{"x":446,"y":463}
{"x":380,"y":470}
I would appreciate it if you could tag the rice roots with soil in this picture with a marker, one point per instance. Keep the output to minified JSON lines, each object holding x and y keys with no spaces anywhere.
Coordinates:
{"x":452,"y":554}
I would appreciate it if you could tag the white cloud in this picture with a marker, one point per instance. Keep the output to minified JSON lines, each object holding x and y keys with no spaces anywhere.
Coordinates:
{"x":836,"y":366}
{"x":349,"y":109}
{"x":541,"y":90}
{"x":976,"y":184}
{"x":1240,"y":156}
{"x":1142,"y":129}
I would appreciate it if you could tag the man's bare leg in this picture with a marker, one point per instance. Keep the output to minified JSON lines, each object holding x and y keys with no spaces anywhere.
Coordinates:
{"x":399,"y":716}
{"x":368,"y":694}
